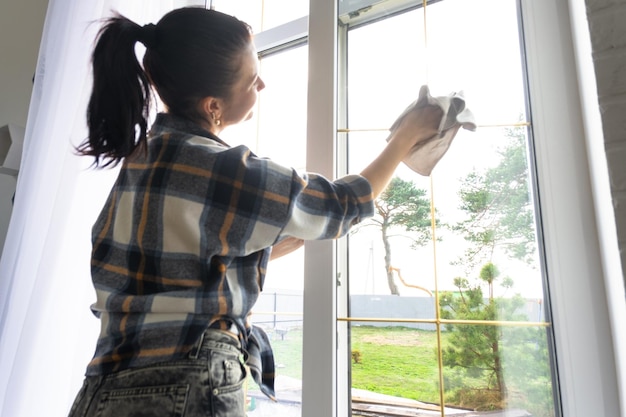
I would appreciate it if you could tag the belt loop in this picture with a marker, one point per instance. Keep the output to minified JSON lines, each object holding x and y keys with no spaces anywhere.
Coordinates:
{"x":195,"y":352}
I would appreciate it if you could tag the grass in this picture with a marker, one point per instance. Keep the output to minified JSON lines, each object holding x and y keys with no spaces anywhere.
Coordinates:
{"x":396,"y":361}
{"x":402,"y":362}
{"x":393,"y":360}
{"x":288,"y":354}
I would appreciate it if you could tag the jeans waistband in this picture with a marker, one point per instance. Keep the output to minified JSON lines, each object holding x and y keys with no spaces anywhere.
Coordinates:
{"x":216,"y":339}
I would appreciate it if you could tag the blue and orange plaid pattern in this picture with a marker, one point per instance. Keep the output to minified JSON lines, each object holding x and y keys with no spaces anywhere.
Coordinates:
{"x":185,"y":236}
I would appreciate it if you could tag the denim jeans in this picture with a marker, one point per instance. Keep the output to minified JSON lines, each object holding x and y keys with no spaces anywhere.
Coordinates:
{"x":208,"y":383}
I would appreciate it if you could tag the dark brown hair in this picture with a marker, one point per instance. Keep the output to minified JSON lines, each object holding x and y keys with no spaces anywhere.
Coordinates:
{"x":191,"y":53}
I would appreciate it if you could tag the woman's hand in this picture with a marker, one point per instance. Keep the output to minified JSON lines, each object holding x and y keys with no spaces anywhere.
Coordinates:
{"x":416,"y":126}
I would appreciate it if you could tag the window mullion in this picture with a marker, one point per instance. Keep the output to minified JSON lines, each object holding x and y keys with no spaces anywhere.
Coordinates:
{"x":319,"y":391}
{"x":344,"y":398}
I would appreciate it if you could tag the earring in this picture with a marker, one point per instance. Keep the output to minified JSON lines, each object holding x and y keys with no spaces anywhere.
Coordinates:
{"x":216,"y":120}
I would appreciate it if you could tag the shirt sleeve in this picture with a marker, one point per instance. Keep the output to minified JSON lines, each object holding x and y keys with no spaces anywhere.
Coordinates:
{"x":323,"y":209}
{"x":269,"y":202}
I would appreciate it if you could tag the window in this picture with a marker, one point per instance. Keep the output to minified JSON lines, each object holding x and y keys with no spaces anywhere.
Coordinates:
{"x":278,"y":130}
{"x":451,"y":316}
{"x":573,"y":371}
{"x":263,"y":15}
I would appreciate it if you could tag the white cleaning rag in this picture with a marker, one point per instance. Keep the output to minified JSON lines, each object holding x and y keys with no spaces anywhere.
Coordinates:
{"x":427,"y":153}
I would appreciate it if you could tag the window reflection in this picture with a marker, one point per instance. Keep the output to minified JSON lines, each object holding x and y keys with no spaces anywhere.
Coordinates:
{"x":448,"y":304}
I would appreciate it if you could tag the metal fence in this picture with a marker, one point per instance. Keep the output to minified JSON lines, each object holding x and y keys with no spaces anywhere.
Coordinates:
{"x":282,"y":311}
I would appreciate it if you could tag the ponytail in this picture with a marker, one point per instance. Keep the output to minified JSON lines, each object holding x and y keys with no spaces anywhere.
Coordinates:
{"x":191,"y":53}
{"x":121,"y":97}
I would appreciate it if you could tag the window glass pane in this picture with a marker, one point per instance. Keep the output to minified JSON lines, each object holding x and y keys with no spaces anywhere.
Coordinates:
{"x":386,"y":67}
{"x":393,"y":368}
{"x":278,"y":130}
{"x":509,"y":368}
{"x":382,"y":257}
{"x":265,"y":14}
{"x":282,"y":126}
{"x":475,"y":46}
{"x":448,"y":252}
{"x":278,"y":126}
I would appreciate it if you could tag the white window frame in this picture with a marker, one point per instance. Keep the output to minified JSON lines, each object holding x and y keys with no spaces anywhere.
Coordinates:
{"x":583,"y":336}
{"x":319,"y":343}
{"x":588,"y":381}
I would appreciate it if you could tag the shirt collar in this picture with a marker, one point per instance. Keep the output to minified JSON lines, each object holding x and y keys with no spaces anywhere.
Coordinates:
{"x":169,"y":122}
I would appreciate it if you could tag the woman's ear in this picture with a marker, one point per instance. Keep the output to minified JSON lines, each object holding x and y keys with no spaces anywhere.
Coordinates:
{"x":211,"y":108}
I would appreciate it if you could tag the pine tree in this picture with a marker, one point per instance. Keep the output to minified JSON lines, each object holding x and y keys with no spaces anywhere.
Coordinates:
{"x":402,"y":205}
{"x":500,"y":220}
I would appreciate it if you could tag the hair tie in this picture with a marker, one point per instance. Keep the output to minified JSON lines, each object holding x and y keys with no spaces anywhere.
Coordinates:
{"x":148,"y":35}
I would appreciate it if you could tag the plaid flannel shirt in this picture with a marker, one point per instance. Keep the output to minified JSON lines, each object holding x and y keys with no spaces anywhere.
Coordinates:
{"x":184,"y":238}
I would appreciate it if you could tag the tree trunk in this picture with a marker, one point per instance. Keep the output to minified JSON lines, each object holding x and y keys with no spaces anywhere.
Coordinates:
{"x":390,"y":281}
{"x":497,"y":364}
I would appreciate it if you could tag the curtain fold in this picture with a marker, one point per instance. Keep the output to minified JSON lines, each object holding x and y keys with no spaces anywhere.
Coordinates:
{"x":47,"y":333}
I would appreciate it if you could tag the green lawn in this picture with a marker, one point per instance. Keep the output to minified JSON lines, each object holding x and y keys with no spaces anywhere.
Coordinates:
{"x":396,"y":361}
{"x":393,"y":360}
{"x":402,"y":362}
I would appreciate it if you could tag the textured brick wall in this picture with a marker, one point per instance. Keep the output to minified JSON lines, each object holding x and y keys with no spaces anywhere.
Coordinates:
{"x":607,"y":26}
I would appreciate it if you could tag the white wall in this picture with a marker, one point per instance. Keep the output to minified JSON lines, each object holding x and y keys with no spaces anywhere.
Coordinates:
{"x":21,"y":25}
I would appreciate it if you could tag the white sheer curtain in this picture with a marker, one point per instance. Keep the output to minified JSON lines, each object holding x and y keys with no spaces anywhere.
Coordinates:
{"x":47,"y":333}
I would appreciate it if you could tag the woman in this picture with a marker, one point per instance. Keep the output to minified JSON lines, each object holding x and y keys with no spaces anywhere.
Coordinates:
{"x":181,"y":246}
